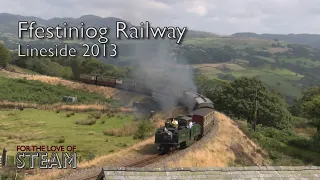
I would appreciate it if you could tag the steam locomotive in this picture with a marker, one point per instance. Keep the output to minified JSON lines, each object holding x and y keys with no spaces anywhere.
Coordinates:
{"x":170,"y":138}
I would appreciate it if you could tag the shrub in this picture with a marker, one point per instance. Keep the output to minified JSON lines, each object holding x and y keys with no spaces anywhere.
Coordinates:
{"x":61,"y":139}
{"x":97,"y":115}
{"x":145,"y":129}
{"x":122,"y":145}
{"x":86,"y":122}
{"x":57,"y":111}
{"x":90,"y":156}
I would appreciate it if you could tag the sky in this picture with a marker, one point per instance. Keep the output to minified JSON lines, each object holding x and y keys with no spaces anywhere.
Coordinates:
{"x":217,"y":16}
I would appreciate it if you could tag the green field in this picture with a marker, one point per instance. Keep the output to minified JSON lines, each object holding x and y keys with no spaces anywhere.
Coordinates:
{"x":304,"y":62}
{"x":241,"y":43}
{"x":20,"y":90}
{"x":40,"y":127}
{"x":277,"y":78}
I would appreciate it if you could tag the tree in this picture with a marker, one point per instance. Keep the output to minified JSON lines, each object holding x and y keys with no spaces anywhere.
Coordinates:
{"x":5,"y":56}
{"x":308,"y":106}
{"x":248,"y":98}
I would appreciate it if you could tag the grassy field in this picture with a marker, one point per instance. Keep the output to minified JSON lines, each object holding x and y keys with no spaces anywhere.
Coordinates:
{"x":40,"y":127}
{"x":20,"y":90}
{"x":240,"y":43}
{"x":304,"y":62}
{"x":277,"y":78}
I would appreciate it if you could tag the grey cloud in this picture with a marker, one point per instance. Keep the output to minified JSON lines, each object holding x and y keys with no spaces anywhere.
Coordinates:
{"x":218,"y":16}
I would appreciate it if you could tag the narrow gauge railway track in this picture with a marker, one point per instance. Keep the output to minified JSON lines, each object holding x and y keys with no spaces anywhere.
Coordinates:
{"x":145,"y":161}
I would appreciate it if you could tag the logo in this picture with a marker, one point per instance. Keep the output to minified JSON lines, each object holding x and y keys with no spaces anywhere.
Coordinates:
{"x":46,"y":157}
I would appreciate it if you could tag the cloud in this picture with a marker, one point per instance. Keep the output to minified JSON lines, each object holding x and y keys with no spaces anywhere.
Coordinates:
{"x":218,"y":16}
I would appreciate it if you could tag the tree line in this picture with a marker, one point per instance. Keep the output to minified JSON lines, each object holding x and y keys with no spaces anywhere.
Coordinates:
{"x":65,"y":67}
{"x":249,"y":99}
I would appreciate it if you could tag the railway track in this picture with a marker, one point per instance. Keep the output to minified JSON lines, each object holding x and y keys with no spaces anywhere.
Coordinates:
{"x":145,"y":161}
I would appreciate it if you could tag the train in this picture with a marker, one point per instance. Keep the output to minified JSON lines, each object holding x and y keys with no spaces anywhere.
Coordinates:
{"x":168,"y":138}
{"x":158,"y":92}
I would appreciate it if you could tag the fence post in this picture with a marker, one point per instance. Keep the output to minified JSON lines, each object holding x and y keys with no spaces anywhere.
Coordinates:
{"x":4,"y":157}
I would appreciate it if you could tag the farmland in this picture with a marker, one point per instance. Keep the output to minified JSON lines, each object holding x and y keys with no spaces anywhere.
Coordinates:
{"x":48,"y":127}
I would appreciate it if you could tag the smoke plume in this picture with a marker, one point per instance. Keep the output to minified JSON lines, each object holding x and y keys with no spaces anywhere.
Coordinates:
{"x":158,"y":66}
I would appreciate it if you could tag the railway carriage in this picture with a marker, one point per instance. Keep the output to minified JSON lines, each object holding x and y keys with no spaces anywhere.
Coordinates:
{"x":195,"y":101}
{"x":204,"y":117}
{"x":106,"y":81}
{"x":88,"y":79}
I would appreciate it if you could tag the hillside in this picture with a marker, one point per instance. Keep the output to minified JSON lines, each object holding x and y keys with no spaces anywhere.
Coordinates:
{"x":312,"y":40}
{"x":282,"y":66}
{"x":221,"y":151}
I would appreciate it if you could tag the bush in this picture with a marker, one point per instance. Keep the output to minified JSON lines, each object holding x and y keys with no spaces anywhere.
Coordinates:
{"x":61,"y":139}
{"x":90,"y":156}
{"x":97,"y":115}
{"x":86,"y":122}
{"x":57,"y":111}
{"x":122,"y":145}
{"x":145,"y":129}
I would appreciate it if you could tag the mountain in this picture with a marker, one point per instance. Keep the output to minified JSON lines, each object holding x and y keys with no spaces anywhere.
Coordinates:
{"x":312,"y":40}
{"x":9,"y":22}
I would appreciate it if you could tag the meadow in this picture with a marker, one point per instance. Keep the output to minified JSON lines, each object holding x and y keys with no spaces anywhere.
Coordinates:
{"x":280,"y":79}
{"x":220,"y":41}
{"x":48,"y":127}
{"x":31,"y":91}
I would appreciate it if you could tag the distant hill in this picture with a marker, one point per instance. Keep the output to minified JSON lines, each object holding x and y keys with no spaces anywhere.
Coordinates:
{"x":312,"y":40}
{"x":9,"y":23}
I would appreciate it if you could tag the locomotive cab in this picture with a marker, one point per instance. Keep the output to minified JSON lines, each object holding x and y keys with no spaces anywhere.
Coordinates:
{"x":173,"y":137}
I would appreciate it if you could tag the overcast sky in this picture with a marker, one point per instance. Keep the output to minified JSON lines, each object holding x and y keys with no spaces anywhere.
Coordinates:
{"x":217,"y":16}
